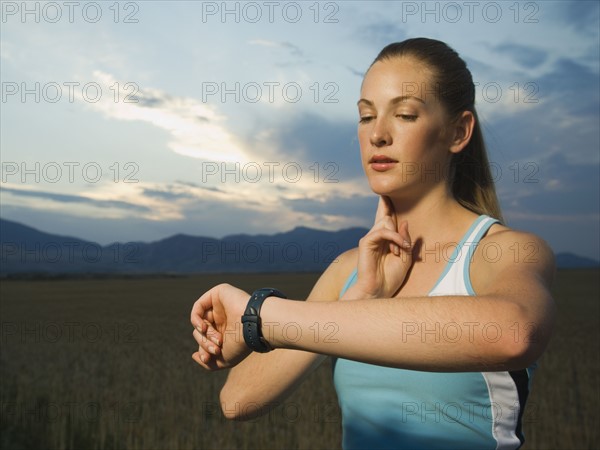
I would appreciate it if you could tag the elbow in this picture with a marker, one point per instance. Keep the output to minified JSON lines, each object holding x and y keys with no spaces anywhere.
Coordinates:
{"x":229,"y":404}
{"x":521,"y":350}
{"x":237,"y":406}
{"x":517,"y":356}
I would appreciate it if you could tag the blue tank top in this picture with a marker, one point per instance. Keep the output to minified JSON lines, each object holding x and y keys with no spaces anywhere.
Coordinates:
{"x":389,"y":408}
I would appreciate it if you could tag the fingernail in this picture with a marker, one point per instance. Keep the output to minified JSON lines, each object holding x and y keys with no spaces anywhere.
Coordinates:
{"x":203,"y":358}
{"x":406,"y":244}
{"x":396,"y":250}
{"x":199,"y":328}
{"x":212,"y":350}
{"x":216,"y":341}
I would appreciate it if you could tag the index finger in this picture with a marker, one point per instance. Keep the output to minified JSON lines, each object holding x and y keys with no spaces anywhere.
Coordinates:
{"x":200,"y":309}
{"x":384,"y":208}
{"x":196,"y":317}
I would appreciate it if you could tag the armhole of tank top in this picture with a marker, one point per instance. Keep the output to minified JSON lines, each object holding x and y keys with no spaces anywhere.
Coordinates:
{"x":456,"y":251}
{"x":489,"y":221}
{"x":349,"y":282}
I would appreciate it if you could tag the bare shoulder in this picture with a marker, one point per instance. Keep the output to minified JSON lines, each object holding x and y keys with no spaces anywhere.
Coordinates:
{"x":331,"y":282}
{"x":505,"y":249}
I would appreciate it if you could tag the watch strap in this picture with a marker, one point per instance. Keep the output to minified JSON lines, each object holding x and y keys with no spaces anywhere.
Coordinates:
{"x":251,"y":321}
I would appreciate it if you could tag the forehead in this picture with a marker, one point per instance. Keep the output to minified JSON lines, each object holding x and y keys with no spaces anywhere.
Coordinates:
{"x":397,"y":77}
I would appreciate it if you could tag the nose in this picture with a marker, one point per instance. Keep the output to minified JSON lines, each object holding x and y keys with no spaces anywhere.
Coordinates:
{"x":380,"y":135}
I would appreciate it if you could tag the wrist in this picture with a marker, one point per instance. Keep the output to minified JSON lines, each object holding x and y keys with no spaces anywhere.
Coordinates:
{"x":285,"y":322}
{"x":253,"y":322}
{"x":356,"y":292}
{"x":271,"y":323}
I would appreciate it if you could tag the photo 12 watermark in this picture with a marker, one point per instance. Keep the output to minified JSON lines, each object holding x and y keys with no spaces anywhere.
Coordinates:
{"x":67,"y":172}
{"x":51,"y":332}
{"x":26,"y":413}
{"x":268,"y":252}
{"x":268,"y":172}
{"x":469,"y":12}
{"x":69,"y":253}
{"x":270,"y":12}
{"x":68,"y":91}
{"x":70,"y":12}
{"x":269,"y":92}
{"x":272,"y":412}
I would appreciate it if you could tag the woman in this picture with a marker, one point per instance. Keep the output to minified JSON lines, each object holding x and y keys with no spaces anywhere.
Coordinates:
{"x":446,"y":318}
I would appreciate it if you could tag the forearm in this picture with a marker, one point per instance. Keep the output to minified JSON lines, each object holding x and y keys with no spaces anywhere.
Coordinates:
{"x":450,"y":333}
{"x":263,"y":381}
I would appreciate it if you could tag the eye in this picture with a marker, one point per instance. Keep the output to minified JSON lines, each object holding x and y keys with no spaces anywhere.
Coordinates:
{"x":365,"y":119}
{"x":407,"y":117}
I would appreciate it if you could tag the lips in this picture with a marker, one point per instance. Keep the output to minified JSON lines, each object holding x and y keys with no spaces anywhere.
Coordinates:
{"x":381,"y":159}
{"x":382,"y":163}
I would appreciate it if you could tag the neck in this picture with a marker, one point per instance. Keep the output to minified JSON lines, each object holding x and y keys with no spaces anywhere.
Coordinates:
{"x":434,"y":217}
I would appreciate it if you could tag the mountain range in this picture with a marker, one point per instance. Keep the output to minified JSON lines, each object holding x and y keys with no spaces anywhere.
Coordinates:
{"x":26,"y":250}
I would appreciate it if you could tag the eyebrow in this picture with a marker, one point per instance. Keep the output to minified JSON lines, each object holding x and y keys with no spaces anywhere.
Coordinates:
{"x":393,"y":101}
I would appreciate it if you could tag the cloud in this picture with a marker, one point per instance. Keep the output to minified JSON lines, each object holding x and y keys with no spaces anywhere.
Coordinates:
{"x":380,"y":33}
{"x":177,"y":191}
{"x":195,"y":185}
{"x":68,"y":198}
{"x":316,"y":140}
{"x":356,"y":206}
{"x":195,"y":129}
{"x":563,"y":121}
{"x":526,"y":56}
{"x":293,"y":50}
{"x":358,"y":73}
{"x":582,"y":15}
{"x":573,"y":86}
{"x":296,"y":56}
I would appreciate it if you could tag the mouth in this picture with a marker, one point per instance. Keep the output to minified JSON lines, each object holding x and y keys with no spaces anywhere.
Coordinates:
{"x":382,"y":163}
{"x":381,"y":159}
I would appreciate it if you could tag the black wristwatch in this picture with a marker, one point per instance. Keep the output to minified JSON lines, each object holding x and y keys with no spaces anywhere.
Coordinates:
{"x":251,"y":322}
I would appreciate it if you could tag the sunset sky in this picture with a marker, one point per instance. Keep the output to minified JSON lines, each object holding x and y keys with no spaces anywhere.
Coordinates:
{"x":139,"y":120}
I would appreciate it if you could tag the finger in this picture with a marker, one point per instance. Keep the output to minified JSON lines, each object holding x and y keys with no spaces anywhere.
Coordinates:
{"x":383,"y":208}
{"x":200,"y":313}
{"x":389,"y":206}
{"x":197,"y":315}
{"x":206,"y":344}
{"x":390,"y":210}
{"x":211,"y":331}
{"x":202,"y":307}
{"x":377,"y":238}
{"x":212,"y":334}
{"x":385,"y":222}
{"x":206,"y":363}
{"x":403,"y":231}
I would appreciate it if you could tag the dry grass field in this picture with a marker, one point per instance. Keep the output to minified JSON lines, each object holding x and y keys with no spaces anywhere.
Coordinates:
{"x":105,"y":364}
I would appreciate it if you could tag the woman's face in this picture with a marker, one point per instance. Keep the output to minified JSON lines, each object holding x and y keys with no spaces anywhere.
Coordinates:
{"x":402,"y":131}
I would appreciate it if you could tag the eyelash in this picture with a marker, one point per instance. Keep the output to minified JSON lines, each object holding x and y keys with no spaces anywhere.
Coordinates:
{"x":406,"y":117}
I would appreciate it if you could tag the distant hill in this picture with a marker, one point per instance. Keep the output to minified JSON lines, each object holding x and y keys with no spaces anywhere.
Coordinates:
{"x":572,"y":261}
{"x":27,"y":250}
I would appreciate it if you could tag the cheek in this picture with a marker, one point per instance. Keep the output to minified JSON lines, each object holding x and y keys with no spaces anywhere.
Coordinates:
{"x":426,"y":140}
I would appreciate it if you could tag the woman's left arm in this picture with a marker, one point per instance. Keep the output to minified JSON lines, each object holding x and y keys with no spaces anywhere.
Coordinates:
{"x":506,"y":326}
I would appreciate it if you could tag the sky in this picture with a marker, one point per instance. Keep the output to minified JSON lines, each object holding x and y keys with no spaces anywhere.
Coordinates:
{"x":129,"y":121}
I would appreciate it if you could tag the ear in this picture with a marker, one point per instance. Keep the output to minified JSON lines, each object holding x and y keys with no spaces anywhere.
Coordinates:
{"x":462,"y":130}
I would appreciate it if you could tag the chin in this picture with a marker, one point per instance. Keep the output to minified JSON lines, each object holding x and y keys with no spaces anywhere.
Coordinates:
{"x":383,"y":188}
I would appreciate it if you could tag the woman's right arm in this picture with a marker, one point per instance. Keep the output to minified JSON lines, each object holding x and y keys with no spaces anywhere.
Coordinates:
{"x":264,"y":380}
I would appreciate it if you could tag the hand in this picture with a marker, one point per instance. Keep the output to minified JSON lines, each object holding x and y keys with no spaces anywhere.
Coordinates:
{"x":384,"y":256}
{"x":217,"y":320}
